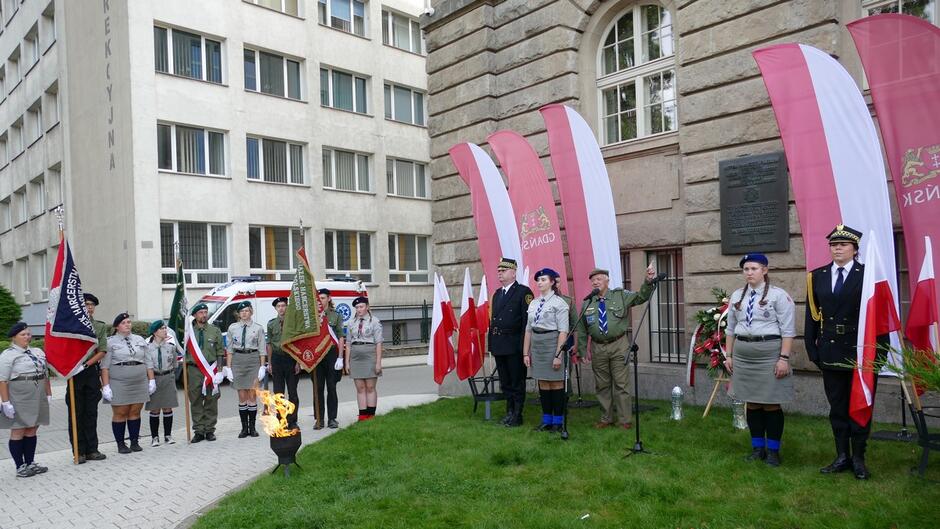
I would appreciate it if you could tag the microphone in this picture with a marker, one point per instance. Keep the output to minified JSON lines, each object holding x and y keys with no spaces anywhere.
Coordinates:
{"x":593,"y":293}
{"x":658,"y":278}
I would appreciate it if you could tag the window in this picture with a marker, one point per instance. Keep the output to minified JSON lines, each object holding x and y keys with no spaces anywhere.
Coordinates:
{"x":404,"y":104}
{"x":22,"y":280}
{"x":13,"y":69}
{"x":343,"y":90}
{"x":925,"y":9}
{"x":31,"y":47}
{"x":54,"y":186}
{"x":34,"y":122}
{"x":402,"y":32}
{"x":6,"y":279}
{"x":667,"y":310}
{"x":637,"y":81}
{"x":20,"y":206}
{"x":184,"y":148}
{"x":37,"y":196}
{"x":40,"y":275}
{"x":271,"y":251}
{"x":187,"y":54}
{"x":406,"y":178}
{"x":407,"y":258}
{"x":51,"y":106}
{"x":47,"y":29}
{"x":346,"y":171}
{"x":284,"y":6}
{"x":3,"y":82}
{"x":16,"y":138}
{"x":272,"y":74}
{"x":4,"y":152}
{"x":6,"y":215}
{"x":9,"y":9}
{"x":348,"y":253}
{"x":203,"y":249}
{"x":275,"y":160}
{"x":344,"y":15}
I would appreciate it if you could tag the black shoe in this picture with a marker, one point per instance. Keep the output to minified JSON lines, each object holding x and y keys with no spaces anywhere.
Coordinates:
{"x":123,"y":449}
{"x":135,"y":447}
{"x":859,"y":468}
{"x":758,"y":454}
{"x":198,"y":437}
{"x":210,"y":436}
{"x":332,"y":424}
{"x":244,"y":433}
{"x":506,"y":418}
{"x":773,"y":458}
{"x":318,"y":426}
{"x":81,"y":460}
{"x":544,"y":427}
{"x":95,"y":456}
{"x":557,"y":428}
{"x":515,"y":420}
{"x":841,"y":464}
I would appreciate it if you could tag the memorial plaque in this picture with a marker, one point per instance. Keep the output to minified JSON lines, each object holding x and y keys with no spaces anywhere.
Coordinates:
{"x":754,"y":197}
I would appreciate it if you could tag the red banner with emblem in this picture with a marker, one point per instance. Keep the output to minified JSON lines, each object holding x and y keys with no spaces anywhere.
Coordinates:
{"x":307,"y":335}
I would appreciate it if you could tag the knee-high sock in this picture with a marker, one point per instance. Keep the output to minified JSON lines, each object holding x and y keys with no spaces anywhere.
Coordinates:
{"x":133,"y":429}
{"x":370,"y":411}
{"x":545,"y":397}
{"x":558,"y":403}
{"x":167,"y":423}
{"x":118,"y":429}
{"x":154,"y":425}
{"x":774,"y":420}
{"x":16,"y":452}
{"x":29,"y":449}
{"x":756,"y":424}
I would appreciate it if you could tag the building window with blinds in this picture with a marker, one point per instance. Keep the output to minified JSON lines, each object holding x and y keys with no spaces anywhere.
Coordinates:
{"x":346,"y":171}
{"x":668,"y":343}
{"x":273,"y":74}
{"x":407,"y":258}
{"x":277,"y":161}
{"x":190,"y":150}
{"x":187,"y":54}
{"x":203,"y":249}
{"x":402,"y":32}
{"x":344,"y":15}
{"x":348,"y":253}
{"x":404,"y":104}
{"x":343,"y":91}
{"x":271,"y":251}
{"x":406,"y":178}
{"x":290,"y":7}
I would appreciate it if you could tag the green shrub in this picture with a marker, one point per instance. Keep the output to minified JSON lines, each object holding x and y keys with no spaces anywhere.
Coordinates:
{"x":10,"y":311}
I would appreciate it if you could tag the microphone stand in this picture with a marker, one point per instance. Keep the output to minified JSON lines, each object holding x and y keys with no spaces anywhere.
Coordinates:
{"x":566,"y":351}
{"x":634,"y":349}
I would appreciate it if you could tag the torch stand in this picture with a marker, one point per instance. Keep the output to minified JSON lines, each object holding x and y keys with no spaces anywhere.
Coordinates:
{"x":286,"y":450}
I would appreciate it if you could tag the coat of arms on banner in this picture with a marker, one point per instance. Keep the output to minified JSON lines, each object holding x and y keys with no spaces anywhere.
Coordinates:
{"x":920,"y":164}
{"x":535,"y":221}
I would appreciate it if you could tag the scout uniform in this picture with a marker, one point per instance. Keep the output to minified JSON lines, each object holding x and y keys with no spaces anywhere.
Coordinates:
{"x":204,"y":402}
{"x":363,"y":333}
{"x":23,"y":372}
{"x":87,"y":384}
{"x":506,"y":333}
{"x":282,"y":364}
{"x":326,"y":373}
{"x":606,"y":321}
{"x":128,"y":366}
{"x":548,"y":315}
{"x":833,"y":303}
{"x":246,"y":349}
{"x":163,"y":359}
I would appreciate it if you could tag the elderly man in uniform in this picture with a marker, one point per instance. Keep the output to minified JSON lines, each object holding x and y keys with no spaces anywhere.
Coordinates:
{"x":88,"y":391}
{"x":283,"y":368}
{"x":833,"y":302}
{"x":606,"y":321}
{"x":507,"y":331}
{"x":204,"y":407}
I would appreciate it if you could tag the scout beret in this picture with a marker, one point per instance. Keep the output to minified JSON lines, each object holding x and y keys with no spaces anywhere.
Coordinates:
{"x":197,"y":307}
{"x":597,"y":271}
{"x":242,"y":305}
{"x":507,"y":263}
{"x":119,"y":318}
{"x":17,"y":328}
{"x":324,"y":291}
{"x":281,"y":299}
{"x":90,"y":297}
{"x":754,"y":258}
{"x":546,"y":272}
{"x":360,"y":299}
{"x":843,"y":233}
{"x":156,"y":326}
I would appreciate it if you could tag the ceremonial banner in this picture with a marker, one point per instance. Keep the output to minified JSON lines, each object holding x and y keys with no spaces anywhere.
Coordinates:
{"x":70,"y":337}
{"x":307,"y":335}
{"x":207,"y":369}
{"x":483,"y":314}
{"x":901,"y":58}
{"x":586,"y":199}
{"x":469,"y":353}
{"x":179,"y":309}
{"x":497,"y":233}
{"x":443,"y":324}
{"x":923,"y":319}
{"x":533,"y":204}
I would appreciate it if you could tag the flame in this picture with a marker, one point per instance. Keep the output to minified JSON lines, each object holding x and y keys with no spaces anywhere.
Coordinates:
{"x":275,"y":425}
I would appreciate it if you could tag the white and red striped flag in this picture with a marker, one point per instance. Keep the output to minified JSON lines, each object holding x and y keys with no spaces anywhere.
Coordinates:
{"x":207,"y":369}
{"x":469,"y":354}
{"x":443,"y":324}
{"x":878,"y":316}
{"x":483,"y":313}
{"x":923,"y":319}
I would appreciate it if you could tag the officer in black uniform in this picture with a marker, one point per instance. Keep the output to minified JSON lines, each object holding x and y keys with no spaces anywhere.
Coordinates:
{"x":283,"y":368}
{"x":833,"y":301}
{"x":88,"y":391}
{"x":509,"y":313}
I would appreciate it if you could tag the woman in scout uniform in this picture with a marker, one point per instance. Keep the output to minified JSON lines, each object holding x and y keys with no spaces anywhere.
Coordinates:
{"x":363,"y":356}
{"x":127,"y":382}
{"x":162,"y":354}
{"x":25,"y":393}
{"x":245,"y":348}
{"x":759,"y":339}
{"x":545,"y":334}
{"x":326,"y":373}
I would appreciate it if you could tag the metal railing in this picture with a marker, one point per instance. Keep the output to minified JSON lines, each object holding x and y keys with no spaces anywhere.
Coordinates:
{"x":405,"y":324}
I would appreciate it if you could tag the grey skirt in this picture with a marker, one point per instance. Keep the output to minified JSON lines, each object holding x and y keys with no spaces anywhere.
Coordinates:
{"x":165,"y":395}
{"x":753,"y":378}
{"x":542,"y":351}
{"x":362,"y":361}
{"x":245,"y":368}
{"x":128,"y":384}
{"x":29,"y":401}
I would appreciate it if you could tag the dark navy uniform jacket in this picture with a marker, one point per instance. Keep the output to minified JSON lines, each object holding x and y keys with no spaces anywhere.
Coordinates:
{"x":833,"y":339}
{"x":508,"y":319}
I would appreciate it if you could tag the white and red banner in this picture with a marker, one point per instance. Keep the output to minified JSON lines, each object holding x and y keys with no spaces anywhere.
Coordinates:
{"x":586,"y":199}
{"x":207,"y":369}
{"x":70,"y":337}
{"x":469,"y":353}
{"x":901,"y":58}
{"x":923,"y":319}
{"x":497,"y":233}
{"x":483,"y":313}
{"x":443,"y":324}
{"x":532,"y":203}
{"x":878,"y":316}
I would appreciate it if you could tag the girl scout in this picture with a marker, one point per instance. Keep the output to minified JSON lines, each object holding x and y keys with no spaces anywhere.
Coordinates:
{"x":127,"y":382}
{"x":247,"y":362}
{"x":363,"y":356}
{"x":162,"y":353}
{"x":24,"y":398}
{"x":545,"y":334}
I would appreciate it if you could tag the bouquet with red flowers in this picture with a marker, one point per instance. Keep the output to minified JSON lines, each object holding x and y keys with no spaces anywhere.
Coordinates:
{"x":708,"y":340}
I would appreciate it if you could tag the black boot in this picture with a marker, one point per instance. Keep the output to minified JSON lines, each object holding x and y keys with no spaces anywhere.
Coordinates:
{"x":842,"y":461}
{"x":510,"y":406}
{"x":252,"y":415}
{"x":858,"y":458}
{"x":773,"y":458}
{"x":243,"y":415}
{"x":757,"y":454}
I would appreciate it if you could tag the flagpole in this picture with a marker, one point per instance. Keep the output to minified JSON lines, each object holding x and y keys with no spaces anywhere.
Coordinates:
{"x":59,"y":214}
{"x":186,"y":410}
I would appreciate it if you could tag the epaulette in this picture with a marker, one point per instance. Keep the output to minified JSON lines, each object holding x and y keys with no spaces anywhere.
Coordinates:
{"x":814,"y":311}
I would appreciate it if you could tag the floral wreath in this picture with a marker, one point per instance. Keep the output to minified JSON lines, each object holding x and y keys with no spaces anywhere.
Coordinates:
{"x":708,"y":340}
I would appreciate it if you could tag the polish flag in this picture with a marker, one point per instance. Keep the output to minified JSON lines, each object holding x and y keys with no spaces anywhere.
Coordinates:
{"x":923,"y":320}
{"x":443,"y":324}
{"x":469,"y":354}
{"x":877,"y":317}
{"x":483,"y":313}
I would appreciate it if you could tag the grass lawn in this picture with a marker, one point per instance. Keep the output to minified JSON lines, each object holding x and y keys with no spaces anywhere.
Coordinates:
{"x":438,"y":466}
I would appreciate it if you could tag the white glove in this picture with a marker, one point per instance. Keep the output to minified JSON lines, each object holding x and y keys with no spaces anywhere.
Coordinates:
{"x":151,"y":386}
{"x":49,"y":399}
{"x":218,"y":378}
{"x":227,"y":373}
{"x":262,"y":371}
{"x":106,"y":393}
{"x":8,"y":410}
{"x":339,"y":364}
{"x":79,"y":369}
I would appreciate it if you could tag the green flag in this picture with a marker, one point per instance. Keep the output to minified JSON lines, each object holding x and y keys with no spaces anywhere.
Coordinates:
{"x":179,"y":309}
{"x":307,"y":335}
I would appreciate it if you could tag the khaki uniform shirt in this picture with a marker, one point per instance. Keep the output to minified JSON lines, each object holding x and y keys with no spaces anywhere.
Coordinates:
{"x":101,"y":331}
{"x":209,"y":339}
{"x":162,"y":356}
{"x":131,"y":348}
{"x":774,"y":317}
{"x":242,"y":337}
{"x":335,"y":320}
{"x":549,"y":312}
{"x":275,"y":331}
{"x":15,"y":362}
{"x":618,"y":302}
{"x":367,"y":329}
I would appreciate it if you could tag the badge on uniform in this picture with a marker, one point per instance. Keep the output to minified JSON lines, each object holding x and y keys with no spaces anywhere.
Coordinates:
{"x":766,"y":313}
{"x":590,"y":318}
{"x":529,"y":298}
